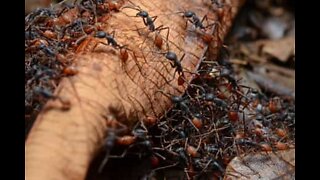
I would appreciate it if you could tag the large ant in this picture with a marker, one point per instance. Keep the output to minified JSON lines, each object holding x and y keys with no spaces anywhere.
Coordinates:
{"x":138,"y":137}
{"x":109,"y":37}
{"x":182,"y":155}
{"x":149,"y":22}
{"x":195,"y":20}
{"x":111,"y":41}
{"x":211,"y":97}
{"x":181,"y":102}
{"x":175,"y":63}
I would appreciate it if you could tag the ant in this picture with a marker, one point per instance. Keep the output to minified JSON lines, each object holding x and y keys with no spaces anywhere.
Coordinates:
{"x":149,"y":22}
{"x":195,"y":20}
{"x":175,"y":63}
{"x":181,"y":102}
{"x":111,"y":41}
{"x":37,"y":15}
{"x":218,"y":102}
{"x":90,"y":4}
{"x":211,"y":149}
{"x":209,"y":162}
{"x":182,"y":155}
{"x":109,"y":37}
{"x":108,"y":144}
{"x":138,"y":137}
{"x":215,"y":164}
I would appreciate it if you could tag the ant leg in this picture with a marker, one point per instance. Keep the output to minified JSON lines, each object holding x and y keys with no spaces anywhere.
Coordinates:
{"x":108,"y":156}
{"x":212,"y":24}
{"x":154,"y":18}
{"x":119,"y":156}
{"x":187,"y":23}
{"x":175,"y":71}
{"x":141,"y":45}
{"x":161,"y":28}
{"x":182,"y":57}
{"x":205,"y":17}
{"x":167,"y":94}
{"x":138,"y":7}
{"x":81,"y":39}
{"x":95,"y":46}
{"x":164,"y":167}
{"x":145,"y":22}
{"x":113,"y":33}
{"x":104,"y":162}
{"x":192,"y":123}
{"x":138,"y":29}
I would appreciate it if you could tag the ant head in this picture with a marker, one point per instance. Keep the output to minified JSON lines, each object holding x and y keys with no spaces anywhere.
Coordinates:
{"x":143,"y":14}
{"x":171,"y":55}
{"x":188,"y":14}
{"x":101,"y":34}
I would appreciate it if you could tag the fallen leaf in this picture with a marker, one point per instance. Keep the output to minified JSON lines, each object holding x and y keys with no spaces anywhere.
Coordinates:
{"x":276,"y":165}
{"x":272,"y":84}
{"x":281,"y":49}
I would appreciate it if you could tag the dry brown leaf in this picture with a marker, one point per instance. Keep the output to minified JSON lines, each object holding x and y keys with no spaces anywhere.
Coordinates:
{"x":252,"y":51}
{"x":281,"y":49}
{"x":274,"y":78}
{"x":277,"y":165}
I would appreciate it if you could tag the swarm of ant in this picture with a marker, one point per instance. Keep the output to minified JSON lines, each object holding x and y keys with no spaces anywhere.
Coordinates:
{"x":216,"y":119}
{"x":52,"y":35}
